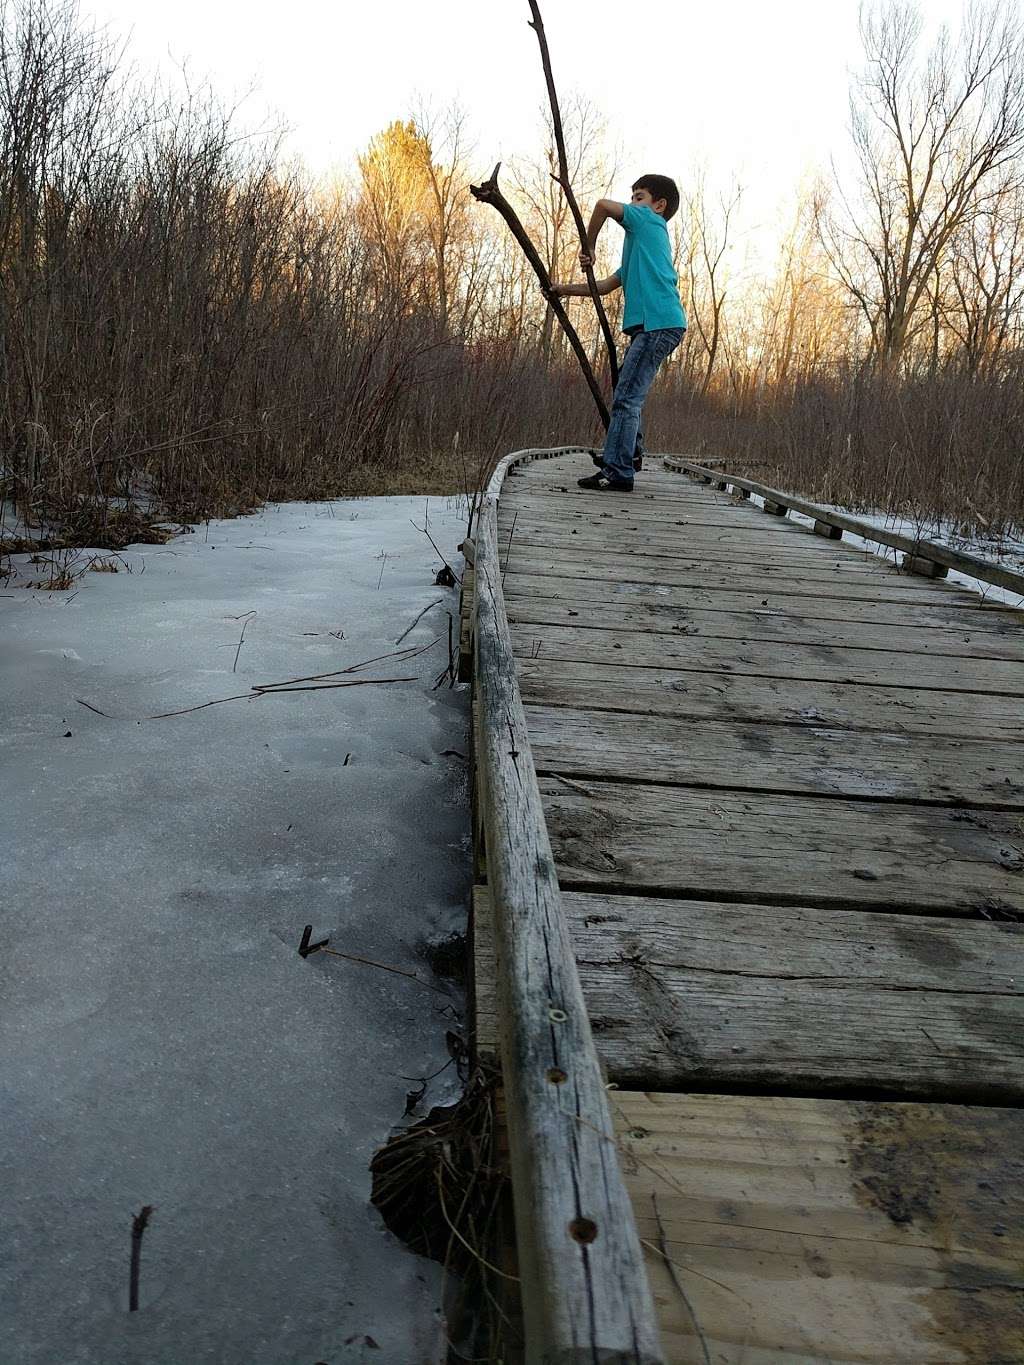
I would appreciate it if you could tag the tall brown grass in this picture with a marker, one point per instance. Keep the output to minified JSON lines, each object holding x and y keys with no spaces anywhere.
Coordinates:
{"x":186,"y":320}
{"x":945,"y":448}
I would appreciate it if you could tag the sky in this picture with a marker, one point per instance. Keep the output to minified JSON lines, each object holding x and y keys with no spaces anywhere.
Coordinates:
{"x":756,"y":91}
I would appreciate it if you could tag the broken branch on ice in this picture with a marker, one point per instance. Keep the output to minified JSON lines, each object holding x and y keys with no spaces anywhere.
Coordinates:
{"x":419,"y":618}
{"x":288,"y":685}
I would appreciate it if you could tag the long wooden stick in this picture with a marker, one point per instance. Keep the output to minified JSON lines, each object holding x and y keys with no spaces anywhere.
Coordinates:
{"x":489,"y":193}
{"x":562,"y":178}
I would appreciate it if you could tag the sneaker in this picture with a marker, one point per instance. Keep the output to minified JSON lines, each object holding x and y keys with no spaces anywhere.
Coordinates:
{"x":598,"y":457}
{"x":600,"y":483}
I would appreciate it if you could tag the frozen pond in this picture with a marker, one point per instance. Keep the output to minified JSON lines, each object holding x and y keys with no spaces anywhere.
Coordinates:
{"x":163,"y":1041}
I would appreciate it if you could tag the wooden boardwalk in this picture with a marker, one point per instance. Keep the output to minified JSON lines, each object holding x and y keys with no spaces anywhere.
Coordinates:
{"x":784,"y":789}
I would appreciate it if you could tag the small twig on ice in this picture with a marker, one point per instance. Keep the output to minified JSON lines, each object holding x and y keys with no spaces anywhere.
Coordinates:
{"x":139,"y":1224}
{"x":248,"y":617}
{"x":383,"y":966}
{"x":382,"y":567}
{"x":440,"y":556}
{"x":326,"y":686}
{"x":418,"y":619}
{"x":403,"y":654}
{"x":89,"y":707}
{"x":288,"y":685}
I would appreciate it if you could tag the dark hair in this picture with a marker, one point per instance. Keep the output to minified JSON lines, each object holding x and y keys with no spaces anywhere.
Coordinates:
{"x":660,"y":187}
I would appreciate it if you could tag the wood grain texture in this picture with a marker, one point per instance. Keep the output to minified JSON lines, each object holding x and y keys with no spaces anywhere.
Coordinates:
{"x":805,"y":563}
{"x":658,"y":619}
{"x":600,"y":534}
{"x":767,"y":701}
{"x":824,"y":1232}
{"x":704,"y":575}
{"x":918,"y":547}
{"x":790,"y":999}
{"x":767,"y":658}
{"x":785,"y":849}
{"x":678,"y":519}
{"x":785,"y":812}
{"x":796,"y":759}
{"x":585,"y":1294}
{"x":963,"y":612}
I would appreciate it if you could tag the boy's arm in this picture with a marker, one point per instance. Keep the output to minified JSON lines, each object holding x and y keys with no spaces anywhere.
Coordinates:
{"x":604,"y":208}
{"x":580,"y":291}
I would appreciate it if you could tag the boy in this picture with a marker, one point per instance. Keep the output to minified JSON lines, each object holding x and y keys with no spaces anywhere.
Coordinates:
{"x":653,"y":317}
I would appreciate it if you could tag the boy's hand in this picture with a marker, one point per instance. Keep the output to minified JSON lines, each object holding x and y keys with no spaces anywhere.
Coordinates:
{"x":586,"y":259}
{"x":555,"y":291}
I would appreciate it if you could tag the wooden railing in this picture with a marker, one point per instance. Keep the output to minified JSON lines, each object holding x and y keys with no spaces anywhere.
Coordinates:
{"x":922,"y":556}
{"x":585,"y":1295}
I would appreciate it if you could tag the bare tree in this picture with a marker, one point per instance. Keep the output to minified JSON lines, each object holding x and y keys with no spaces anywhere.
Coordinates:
{"x":980,"y":307}
{"x":933,"y":142}
{"x":704,"y":253}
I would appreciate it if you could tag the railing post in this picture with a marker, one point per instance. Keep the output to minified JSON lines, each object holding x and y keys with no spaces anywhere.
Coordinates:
{"x":584,"y":1286}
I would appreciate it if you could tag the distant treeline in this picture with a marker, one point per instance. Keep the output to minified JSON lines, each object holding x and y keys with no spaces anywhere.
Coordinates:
{"x":182,"y":313}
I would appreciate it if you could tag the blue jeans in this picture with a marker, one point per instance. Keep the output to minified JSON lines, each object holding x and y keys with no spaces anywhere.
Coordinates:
{"x":646,"y":353}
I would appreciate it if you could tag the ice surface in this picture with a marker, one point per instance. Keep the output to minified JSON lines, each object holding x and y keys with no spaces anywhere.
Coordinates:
{"x":163,"y":1043}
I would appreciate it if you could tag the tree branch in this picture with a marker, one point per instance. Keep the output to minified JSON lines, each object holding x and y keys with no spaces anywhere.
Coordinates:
{"x":537,"y":24}
{"x":489,"y":193}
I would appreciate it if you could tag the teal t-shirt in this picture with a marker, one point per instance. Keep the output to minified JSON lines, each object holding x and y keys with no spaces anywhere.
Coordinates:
{"x":646,"y":273}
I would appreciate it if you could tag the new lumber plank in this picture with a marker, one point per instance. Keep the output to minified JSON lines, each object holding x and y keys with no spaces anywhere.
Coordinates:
{"x":785,"y":849}
{"x":685,"y":994}
{"x":812,"y":760}
{"x":814,"y":1231}
{"x":768,"y":701}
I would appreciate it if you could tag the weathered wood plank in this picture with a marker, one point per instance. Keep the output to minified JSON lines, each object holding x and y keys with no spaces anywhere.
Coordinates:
{"x":584,"y":1290}
{"x":801,"y":562}
{"x":916,"y":548}
{"x":657,"y":618}
{"x":678,"y":517}
{"x":797,"y":759}
{"x":694,"y":993}
{"x":829,"y":996}
{"x":785,"y":849}
{"x":768,"y":701}
{"x":765,"y":658}
{"x":962,"y":612}
{"x":706,"y":575}
{"x":809,"y":1231}
{"x":649,"y":487}
{"x":674,"y":531}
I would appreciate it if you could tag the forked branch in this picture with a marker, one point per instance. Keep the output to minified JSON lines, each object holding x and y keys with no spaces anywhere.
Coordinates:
{"x":489,"y":193}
